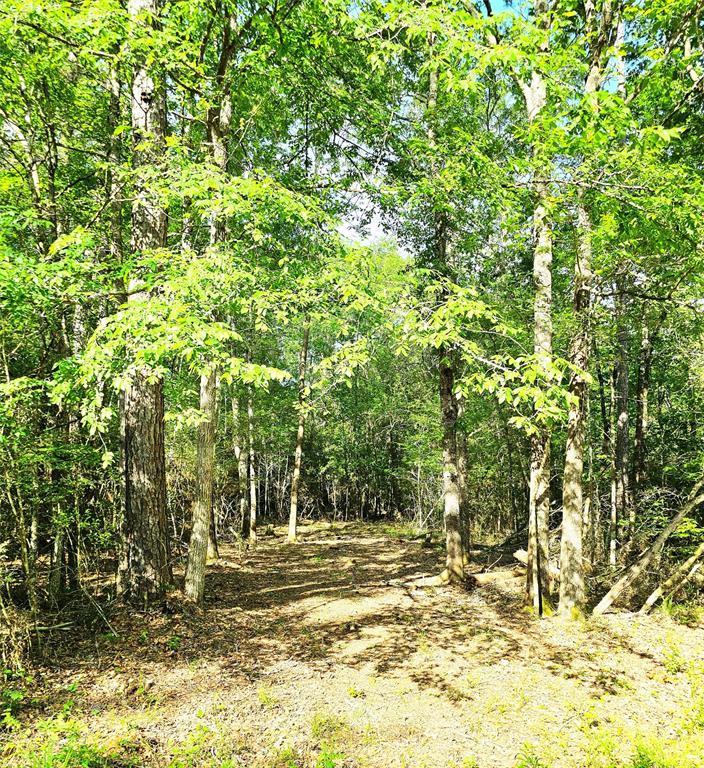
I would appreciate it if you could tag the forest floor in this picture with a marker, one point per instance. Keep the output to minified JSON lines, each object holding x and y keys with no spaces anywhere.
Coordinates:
{"x":319,"y":656}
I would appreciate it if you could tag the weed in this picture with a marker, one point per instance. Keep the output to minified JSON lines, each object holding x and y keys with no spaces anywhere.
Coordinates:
{"x":682,"y":613}
{"x":286,"y":758}
{"x":12,"y":695}
{"x":187,"y":753}
{"x":65,"y":748}
{"x":266,"y":698}
{"x":355,"y":693}
{"x":174,"y":642}
{"x":527,"y":758}
{"x":327,"y":757}
{"x":327,"y":727}
{"x":673,"y":660}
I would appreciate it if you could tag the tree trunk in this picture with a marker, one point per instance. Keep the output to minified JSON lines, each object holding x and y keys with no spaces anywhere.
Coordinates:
{"x":298,"y":456}
{"x":203,"y":505}
{"x":252,"y":475}
{"x":454,"y":560}
{"x":537,"y":576}
{"x":240,"y":458}
{"x":451,"y":493}
{"x":614,"y":516}
{"x":572,"y":594}
{"x":624,"y":508}
{"x":641,"y":427}
{"x":462,"y":469}
{"x":145,"y":569}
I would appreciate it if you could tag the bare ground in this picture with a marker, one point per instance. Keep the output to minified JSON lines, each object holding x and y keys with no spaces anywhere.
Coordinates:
{"x":318,"y":655}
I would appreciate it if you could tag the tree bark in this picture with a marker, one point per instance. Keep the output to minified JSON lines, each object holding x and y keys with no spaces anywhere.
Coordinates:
{"x":203,"y":506}
{"x":145,"y":570}
{"x":298,"y":456}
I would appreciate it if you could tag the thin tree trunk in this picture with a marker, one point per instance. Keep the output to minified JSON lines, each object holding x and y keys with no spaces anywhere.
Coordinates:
{"x":537,"y":576}
{"x":614,"y":516}
{"x":462,"y":469}
{"x":218,"y":127}
{"x":252,"y":475}
{"x":241,"y":459}
{"x":641,"y":427}
{"x":56,"y":582}
{"x":194,"y":586}
{"x":623,"y":499}
{"x":145,"y":570}
{"x":298,"y":456}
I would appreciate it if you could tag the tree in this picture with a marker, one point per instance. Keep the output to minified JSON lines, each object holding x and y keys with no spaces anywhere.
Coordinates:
{"x":145,"y":567}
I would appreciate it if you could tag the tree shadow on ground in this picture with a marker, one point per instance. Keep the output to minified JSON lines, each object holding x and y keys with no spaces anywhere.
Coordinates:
{"x":344,"y":600}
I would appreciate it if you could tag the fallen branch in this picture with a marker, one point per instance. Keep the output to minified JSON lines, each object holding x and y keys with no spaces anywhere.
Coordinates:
{"x":440,"y":580}
{"x":678,"y":579}
{"x":491,"y":577}
{"x":635,"y":571}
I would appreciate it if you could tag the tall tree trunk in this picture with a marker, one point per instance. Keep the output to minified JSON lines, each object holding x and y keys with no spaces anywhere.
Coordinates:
{"x":572,"y":594}
{"x":462,"y":470}
{"x":204,"y":525}
{"x":614,"y":516}
{"x":454,"y":560}
{"x":600,"y":33}
{"x":624,"y":508}
{"x":641,"y":427}
{"x":203,"y":505}
{"x":145,"y":570}
{"x":298,"y":456}
{"x":537,"y":576}
{"x":252,"y":473}
{"x":241,"y":459}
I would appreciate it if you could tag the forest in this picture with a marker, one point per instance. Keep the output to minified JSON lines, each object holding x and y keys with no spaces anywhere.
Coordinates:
{"x":352,"y":384}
